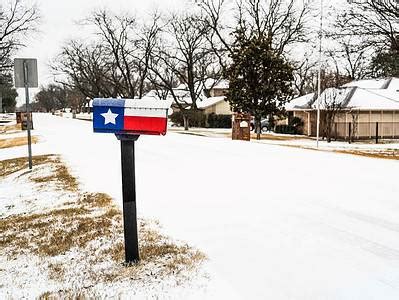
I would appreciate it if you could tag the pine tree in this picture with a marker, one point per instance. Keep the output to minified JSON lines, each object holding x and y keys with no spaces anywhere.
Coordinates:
{"x":260,"y":81}
{"x":8,"y":93}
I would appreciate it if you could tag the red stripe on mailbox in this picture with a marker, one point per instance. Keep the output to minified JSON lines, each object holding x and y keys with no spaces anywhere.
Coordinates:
{"x":153,"y":125}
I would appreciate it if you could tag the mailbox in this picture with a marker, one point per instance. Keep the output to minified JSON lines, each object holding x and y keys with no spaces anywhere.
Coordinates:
{"x":131,"y":116}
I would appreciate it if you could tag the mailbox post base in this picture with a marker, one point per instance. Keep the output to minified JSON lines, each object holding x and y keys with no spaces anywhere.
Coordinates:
{"x":129,"y":197}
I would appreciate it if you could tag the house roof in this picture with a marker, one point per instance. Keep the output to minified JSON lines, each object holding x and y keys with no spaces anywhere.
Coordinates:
{"x":216,"y":84}
{"x":302,"y":102}
{"x":372,"y":94}
{"x":207,"y":102}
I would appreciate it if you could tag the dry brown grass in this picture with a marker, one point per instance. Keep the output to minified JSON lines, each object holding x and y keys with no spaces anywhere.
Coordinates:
{"x":392,"y":154}
{"x":9,"y":166}
{"x":386,"y":154}
{"x":17,"y":141}
{"x":272,"y":137}
{"x":58,"y":231}
{"x":60,"y":175}
{"x":91,"y":224}
{"x":10,"y":128}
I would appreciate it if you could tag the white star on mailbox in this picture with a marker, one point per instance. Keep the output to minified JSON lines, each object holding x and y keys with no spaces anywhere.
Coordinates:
{"x":109,"y":117}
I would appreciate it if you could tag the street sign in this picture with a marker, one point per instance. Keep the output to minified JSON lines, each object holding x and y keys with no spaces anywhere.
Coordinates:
{"x":28,"y":65}
{"x":127,"y":119}
{"x":25,"y":76}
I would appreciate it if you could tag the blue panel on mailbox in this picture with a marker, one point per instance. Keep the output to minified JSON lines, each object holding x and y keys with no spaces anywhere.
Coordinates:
{"x":108,"y":115}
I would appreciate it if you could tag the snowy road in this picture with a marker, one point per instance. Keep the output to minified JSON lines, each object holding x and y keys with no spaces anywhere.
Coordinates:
{"x":276,"y":222}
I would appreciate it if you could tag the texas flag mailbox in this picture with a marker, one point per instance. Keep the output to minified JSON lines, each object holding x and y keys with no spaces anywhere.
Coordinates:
{"x":128,"y":119}
{"x":130,"y":116}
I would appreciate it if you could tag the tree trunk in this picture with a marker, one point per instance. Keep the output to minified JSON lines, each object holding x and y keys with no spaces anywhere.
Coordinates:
{"x":185,"y":122}
{"x":257,"y":128}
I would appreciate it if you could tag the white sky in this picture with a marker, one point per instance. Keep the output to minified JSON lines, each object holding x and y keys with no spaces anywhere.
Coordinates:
{"x":59,"y":25}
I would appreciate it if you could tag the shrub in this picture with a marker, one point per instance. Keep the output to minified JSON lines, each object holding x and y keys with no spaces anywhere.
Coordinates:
{"x":296,"y":122}
{"x":286,"y":129}
{"x":195,"y":118}
{"x":219,"y":121}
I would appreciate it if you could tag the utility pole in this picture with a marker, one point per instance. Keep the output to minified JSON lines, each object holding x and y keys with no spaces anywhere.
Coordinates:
{"x":319,"y":74}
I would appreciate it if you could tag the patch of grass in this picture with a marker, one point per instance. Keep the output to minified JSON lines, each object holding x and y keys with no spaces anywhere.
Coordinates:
{"x":272,"y":137}
{"x":96,"y":200}
{"x":90,"y":229}
{"x":17,"y":141}
{"x":9,"y":166}
{"x":60,"y":175}
{"x":56,"y":271}
{"x":386,"y":154}
{"x":10,"y":128}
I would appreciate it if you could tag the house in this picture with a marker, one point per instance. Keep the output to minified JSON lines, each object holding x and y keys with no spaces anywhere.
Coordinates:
{"x":216,"y":88}
{"x":212,"y":99}
{"x":217,"y":105}
{"x":368,"y":108}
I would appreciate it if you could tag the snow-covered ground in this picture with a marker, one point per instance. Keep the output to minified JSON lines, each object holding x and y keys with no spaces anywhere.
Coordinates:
{"x":275,"y":222}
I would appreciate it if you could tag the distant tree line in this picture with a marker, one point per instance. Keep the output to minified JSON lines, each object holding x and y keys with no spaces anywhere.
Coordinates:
{"x":252,"y":43}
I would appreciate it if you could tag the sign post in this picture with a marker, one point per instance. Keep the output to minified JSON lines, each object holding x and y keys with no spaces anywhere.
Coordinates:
{"x":128,"y":119}
{"x":25,"y":73}
{"x":129,"y":197}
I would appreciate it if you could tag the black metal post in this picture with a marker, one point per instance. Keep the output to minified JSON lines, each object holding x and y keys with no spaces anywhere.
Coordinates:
{"x":350,"y":133}
{"x":28,"y":118}
{"x":129,"y":197}
{"x":376,"y":132}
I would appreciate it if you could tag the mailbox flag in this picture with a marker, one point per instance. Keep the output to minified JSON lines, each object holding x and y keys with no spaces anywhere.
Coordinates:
{"x":130,"y":116}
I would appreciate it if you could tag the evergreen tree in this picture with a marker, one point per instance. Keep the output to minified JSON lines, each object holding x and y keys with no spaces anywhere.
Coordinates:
{"x":386,"y":64}
{"x":260,"y":80}
{"x":8,"y":93}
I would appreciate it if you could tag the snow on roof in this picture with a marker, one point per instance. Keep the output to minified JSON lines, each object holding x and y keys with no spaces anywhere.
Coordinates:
{"x":300,"y":102}
{"x":367,"y":83}
{"x":370,"y":94}
{"x":207,"y":102}
{"x":394,"y":84}
{"x":368,"y":99}
{"x":360,"y":98}
{"x":216,"y":84}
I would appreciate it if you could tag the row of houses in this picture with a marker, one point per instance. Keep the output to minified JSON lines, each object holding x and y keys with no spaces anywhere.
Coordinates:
{"x":366,"y":108}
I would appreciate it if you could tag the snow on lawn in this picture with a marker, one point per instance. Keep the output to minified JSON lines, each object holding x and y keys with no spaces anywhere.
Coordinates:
{"x":275,"y":222}
{"x":58,"y":242}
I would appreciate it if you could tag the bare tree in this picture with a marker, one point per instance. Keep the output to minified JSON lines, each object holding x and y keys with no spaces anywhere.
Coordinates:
{"x":354,"y":113}
{"x":148,"y":38}
{"x":115,"y":31}
{"x":376,"y":21}
{"x":85,"y":68}
{"x":283,"y":22}
{"x":184,"y":57}
{"x":16,"y":22}
{"x":332,"y":103}
{"x":305,"y":76}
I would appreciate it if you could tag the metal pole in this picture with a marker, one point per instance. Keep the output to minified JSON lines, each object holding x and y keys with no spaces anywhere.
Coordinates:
{"x":129,"y":198}
{"x":376,"y":132}
{"x":28,"y":118}
{"x":319,"y":75}
{"x":350,"y":133}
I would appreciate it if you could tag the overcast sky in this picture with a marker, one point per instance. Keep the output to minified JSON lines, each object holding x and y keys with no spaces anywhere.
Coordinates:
{"x":60,"y":17}
{"x":59,"y":25}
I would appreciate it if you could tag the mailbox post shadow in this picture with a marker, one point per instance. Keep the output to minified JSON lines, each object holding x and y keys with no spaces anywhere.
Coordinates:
{"x":129,"y":197}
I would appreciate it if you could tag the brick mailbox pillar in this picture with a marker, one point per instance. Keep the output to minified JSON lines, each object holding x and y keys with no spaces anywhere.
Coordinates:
{"x":241,"y":127}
